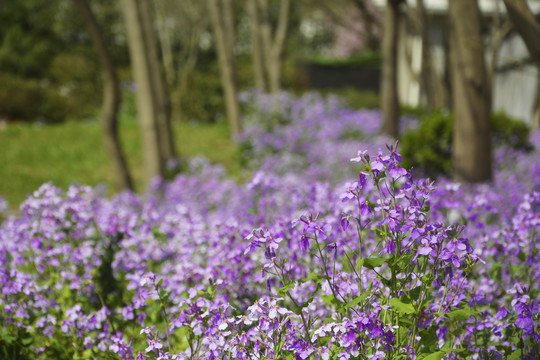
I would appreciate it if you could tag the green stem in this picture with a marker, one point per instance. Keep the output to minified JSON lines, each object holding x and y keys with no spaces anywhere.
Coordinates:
{"x":326,"y":272}
{"x":282,"y":279}
{"x":163,"y":308}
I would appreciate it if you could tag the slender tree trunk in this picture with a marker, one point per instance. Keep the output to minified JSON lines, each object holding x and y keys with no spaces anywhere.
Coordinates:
{"x":535,"y":123}
{"x":389,"y":85}
{"x":165,"y":44}
{"x":223,"y":27}
{"x":278,"y":44}
{"x":179,"y":65}
{"x":433,"y":85}
{"x":472,"y":97}
{"x":273,"y":45}
{"x":256,"y":50}
{"x":111,"y":98}
{"x":147,"y":101}
{"x":265,"y":38}
{"x":529,"y":29}
{"x":227,"y":14}
{"x":188,"y":67}
{"x":162,"y":106}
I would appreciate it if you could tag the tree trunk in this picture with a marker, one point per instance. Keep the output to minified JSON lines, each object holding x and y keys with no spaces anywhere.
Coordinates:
{"x":223,"y":27}
{"x":273,"y":45}
{"x":187,"y":69}
{"x":471,"y":153}
{"x":265,"y":39}
{"x":147,"y":101}
{"x":535,"y":123}
{"x":256,"y":50}
{"x":111,"y":98}
{"x":432,"y":84}
{"x":389,"y":85}
{"x":179,"y":42}
{"x":529,"y":29}
{"x":162,"y":106}
{"x":278,"y":45}
{"x":165,"y":44}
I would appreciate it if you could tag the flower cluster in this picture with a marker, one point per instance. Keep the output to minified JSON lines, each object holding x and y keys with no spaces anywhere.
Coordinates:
{"x":309,"y":259}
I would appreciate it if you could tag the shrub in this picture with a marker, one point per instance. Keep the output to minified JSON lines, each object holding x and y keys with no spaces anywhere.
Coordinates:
{"x":29,"y":100}
{"x":428,"y":147}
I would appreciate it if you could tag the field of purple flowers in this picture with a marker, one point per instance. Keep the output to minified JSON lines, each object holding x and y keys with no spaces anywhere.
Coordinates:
{"x":330,"y":251}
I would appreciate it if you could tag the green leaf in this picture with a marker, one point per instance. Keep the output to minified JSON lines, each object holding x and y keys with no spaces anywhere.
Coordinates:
{"x":330,"y":300}
{"x":460,"y":314}
{"x":9,"y":339}
{"x":380,"y":233}
{"x":357,"y":300}
{"x":373,"y":262}
{"x":26,"y":341}
{"x":317,"y":279}
{"x":404,"y":261}
{"x":435,"y":356}
{"x":516,"y":355}
{"x":428,"y":340}
{"x":401,"y":307}
{"x":406,"y":323}
{"x":282,"y":291}
{"x":448,"y":348}
{"x":359,"y":263}
{"x":163,"y":294}
{"x":415,"y":293}
{"x":428,"y":279}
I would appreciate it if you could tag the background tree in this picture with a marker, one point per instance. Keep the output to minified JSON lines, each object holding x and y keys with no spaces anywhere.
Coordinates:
{"x":222,"y":20}
{"x":268,"y":45}
{"x":256,"y":45}
{"x":159,"y":87}
{"x":46,"y":61}
{"x":344,"y":16}
{"x":528,"y":28}
{"x":471,"y":152}
{"x":432,"y":84}
{"x":152,"y":104}
{"x":111,"y":97}
{"x":180,"y":27}
{"x":389,"y":82}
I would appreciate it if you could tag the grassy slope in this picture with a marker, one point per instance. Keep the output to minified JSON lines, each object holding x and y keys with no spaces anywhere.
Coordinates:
{"x":73,"y":153}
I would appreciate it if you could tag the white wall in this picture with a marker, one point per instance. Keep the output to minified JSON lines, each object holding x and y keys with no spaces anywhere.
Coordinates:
{"x":515,"y":90}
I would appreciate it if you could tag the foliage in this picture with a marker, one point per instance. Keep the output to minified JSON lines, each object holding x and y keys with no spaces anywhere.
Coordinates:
{"x":48,"y":67}
{"x":374,"y":264}
{"x":47,"y":104}
{"x":366,"y":59}
{"x":428,"y":147}
{"x":356,"y":99}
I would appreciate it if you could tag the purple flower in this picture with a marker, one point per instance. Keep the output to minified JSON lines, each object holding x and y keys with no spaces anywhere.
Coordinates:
{"x":360,"y":156}
{"x":319,"y":230}
{"x":154,"y":345}
{"x":501,"y":314}
{"x":525,"y":322}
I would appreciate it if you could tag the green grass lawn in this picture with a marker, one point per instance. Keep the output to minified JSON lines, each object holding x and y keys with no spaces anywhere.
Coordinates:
{"x":72,"y":152}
